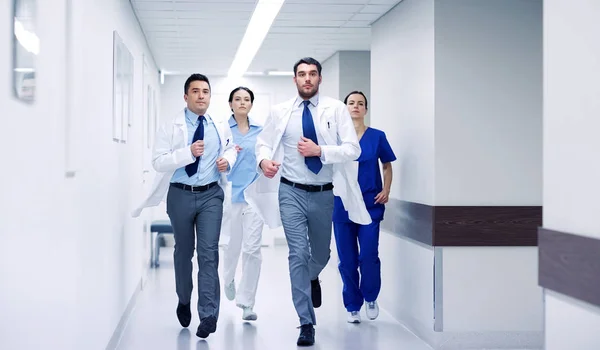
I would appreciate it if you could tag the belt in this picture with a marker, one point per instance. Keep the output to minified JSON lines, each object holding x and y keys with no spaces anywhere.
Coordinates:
{"x":194,"y":188}
{"x":308,"y":188}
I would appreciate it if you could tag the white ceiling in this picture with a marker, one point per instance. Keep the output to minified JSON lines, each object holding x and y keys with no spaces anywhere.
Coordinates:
{"x":203,"y":35}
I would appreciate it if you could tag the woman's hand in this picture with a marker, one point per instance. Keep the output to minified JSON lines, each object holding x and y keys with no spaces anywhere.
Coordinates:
{"x":383,"y":197}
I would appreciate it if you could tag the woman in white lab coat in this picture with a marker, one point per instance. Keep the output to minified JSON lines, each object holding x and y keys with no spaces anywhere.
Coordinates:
{"x":242,"y":227}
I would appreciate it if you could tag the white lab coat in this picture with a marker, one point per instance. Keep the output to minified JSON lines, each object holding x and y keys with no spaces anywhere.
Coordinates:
{"x":341,"y":148}
{"x":171,"y":152}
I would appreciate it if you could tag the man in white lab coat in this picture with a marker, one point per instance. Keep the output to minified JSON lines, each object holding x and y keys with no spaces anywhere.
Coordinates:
{"x":192,"y":153}
{"x":308,"y":146}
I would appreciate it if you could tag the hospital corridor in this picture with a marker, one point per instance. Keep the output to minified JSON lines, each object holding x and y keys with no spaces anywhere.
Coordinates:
{"x":148,"y":328}
{"x":300,"y":174}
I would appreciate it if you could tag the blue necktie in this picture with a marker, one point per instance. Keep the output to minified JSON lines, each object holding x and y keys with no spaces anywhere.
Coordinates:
{"x":308,"y":129}
{"x":191,"y":169}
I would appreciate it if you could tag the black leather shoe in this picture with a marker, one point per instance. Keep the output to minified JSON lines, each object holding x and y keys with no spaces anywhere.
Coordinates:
{"x":315,"y":291}
{"x":184,"y":314}
{"x":207,"y":326}
{"x":307,"y":335}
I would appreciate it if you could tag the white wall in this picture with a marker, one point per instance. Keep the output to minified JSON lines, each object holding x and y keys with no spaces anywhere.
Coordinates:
{"x":402,"y":88}
{"x":485,"y":120}
{"x":111,"y":244}
{"x":402,"y":101}
{"x":488,"y":102}
{"x":490,"y":295}
{"x":39,"y":239}
{"x":347,"y":71}
{"x":355,"y":72}
{"x":75,"y":256}
{"x":407,"y":282}
{"x":488,"y":151}
{"x":571,"y":169}
{"x":330,"y":85}
{"x":570,"y":323}
{"x":571,"y":117}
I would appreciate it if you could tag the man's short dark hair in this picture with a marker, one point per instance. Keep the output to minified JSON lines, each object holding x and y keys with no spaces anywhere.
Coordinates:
{"x":192,"y":78}
{"x":307,"y":60}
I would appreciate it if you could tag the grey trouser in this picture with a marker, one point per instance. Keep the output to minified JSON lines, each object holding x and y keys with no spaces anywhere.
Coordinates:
{"x":201,"y":212}
{"x":306,"y":219}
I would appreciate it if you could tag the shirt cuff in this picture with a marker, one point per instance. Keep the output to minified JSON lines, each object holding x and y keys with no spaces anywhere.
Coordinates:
{"x":322,"y":157}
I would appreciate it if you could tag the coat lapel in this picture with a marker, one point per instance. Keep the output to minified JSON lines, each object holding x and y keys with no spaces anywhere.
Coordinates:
{"x":282,"y":124}
{"x":181,"y":127}
{"x":224,"y":141}
{"x":323,"y":126}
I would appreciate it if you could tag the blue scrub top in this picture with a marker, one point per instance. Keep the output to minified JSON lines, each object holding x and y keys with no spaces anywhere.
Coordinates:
{"x":244,"y":171}
{"x":374,"y":148}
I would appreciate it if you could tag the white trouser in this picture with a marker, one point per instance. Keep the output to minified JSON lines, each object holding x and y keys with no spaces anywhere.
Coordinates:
{"x":244,"y":230}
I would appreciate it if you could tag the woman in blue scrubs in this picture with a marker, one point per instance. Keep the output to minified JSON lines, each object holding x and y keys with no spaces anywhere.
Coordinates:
{"x":357,"y":245}
{"x":241,"y":223}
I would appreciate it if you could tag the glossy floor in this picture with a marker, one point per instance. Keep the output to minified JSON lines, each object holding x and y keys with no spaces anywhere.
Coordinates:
{"x":153,"y":323}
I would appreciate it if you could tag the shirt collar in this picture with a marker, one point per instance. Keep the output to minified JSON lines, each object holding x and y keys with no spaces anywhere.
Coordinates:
{"x":233,"y":122}
{"x":313,"y":100}
{"x":193,"y":117}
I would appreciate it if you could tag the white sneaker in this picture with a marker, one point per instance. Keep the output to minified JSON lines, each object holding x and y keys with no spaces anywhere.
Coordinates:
{"x":354,"y":317}
{"x":248,"y":314}
{"x":372,"y":309}
{"x":230,"y":290}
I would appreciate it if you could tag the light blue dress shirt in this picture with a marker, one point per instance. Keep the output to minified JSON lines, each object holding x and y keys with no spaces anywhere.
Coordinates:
{"x":207,"y":169}
{"x":244,"y":171}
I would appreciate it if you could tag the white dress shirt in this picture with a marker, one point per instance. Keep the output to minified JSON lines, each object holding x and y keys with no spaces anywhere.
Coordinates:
{"x":293,"y":166}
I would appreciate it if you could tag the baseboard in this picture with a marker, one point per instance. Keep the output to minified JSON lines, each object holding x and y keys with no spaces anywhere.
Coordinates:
{"x":417,"y":327}
{"x":489,"y":340}
{"x":449,"y":340}
{"x":116,"y":336}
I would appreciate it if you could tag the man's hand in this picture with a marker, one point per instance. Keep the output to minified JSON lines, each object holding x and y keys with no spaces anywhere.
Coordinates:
{"x":382,"y":197}
{"x":238,"y":148}
{"x":197,"y":148}
{"x":308,"y":148}
{"x":222,"y":164}
{"x":269,"y":167}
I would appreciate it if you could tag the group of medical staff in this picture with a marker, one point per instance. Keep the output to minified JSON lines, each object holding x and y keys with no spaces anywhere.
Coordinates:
{"x":313,"y":165}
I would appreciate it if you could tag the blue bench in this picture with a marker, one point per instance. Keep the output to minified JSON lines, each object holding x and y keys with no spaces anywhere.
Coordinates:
{"x":157,"y":229}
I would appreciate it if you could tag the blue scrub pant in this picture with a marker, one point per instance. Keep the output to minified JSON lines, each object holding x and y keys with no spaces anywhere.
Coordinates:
{"x":349,"y":237}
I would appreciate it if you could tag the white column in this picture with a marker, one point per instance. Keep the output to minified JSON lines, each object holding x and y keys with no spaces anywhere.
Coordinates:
{"x":571,"y":144}
{"x":457,"y":87}
{"x":403,"y":106}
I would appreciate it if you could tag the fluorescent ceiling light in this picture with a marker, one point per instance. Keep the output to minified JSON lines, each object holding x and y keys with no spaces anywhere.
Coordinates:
{"x":260,"y":23}
{"x":27,"y":39}
{"x":24,"y":70}
{"x":170,"y":72}
{"x":281,"y":73}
